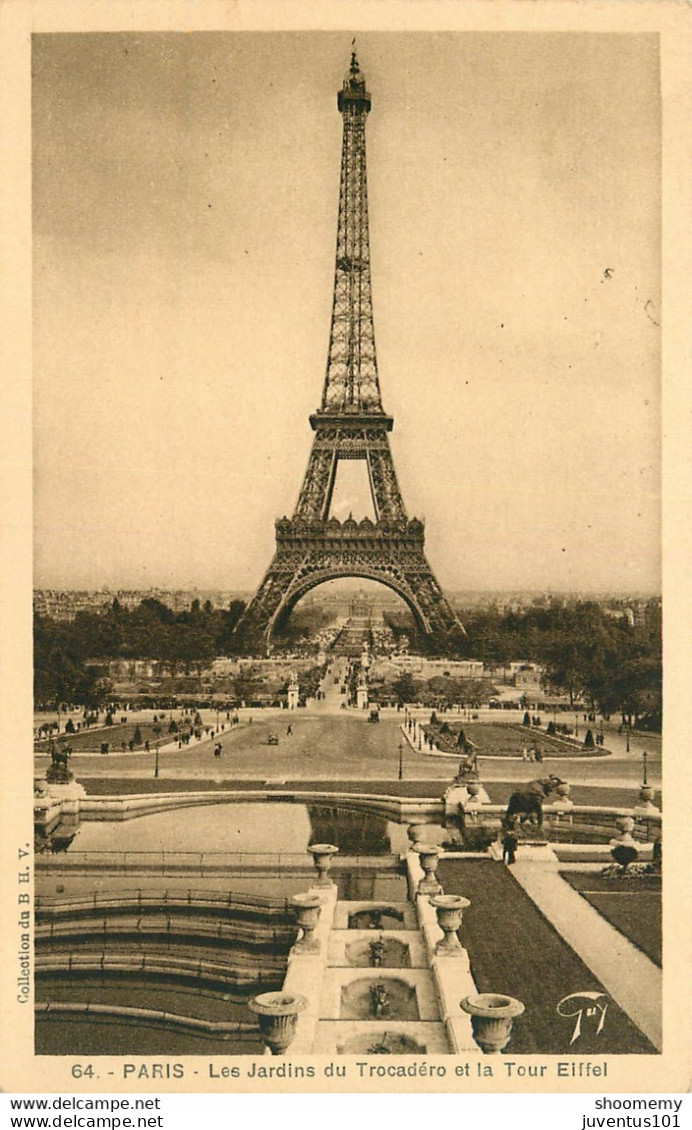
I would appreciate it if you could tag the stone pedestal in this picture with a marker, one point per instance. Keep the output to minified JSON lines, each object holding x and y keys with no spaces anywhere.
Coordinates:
{"x":293,"y":693}
{"x":69,"y":794}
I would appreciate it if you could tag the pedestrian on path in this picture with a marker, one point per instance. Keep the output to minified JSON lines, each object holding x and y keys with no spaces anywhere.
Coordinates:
{"x":509,"y":846}
{"x":289,"y":730}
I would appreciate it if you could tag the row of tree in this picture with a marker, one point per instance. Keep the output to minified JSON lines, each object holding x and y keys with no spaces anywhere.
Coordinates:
{"x":590,"y":655}
{"x":608,"y":661}
{"x":67,"y":653}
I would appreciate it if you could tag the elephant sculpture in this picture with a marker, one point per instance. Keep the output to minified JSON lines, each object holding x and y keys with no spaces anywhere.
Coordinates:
{"x":526,"y":805}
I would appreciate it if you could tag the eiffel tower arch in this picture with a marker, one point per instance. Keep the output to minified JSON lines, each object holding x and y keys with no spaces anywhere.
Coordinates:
{"x":350,"y":424}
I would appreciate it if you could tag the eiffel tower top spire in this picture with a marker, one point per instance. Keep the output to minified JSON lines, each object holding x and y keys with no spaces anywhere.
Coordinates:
{"x":351,"y":384}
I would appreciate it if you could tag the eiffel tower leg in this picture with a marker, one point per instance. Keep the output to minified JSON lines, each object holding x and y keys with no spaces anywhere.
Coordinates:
{"x":254,"y":628}
{"x":440,"y":618}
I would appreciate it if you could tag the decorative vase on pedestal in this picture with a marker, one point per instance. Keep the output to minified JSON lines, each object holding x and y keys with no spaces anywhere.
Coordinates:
{"x":624,"y":848}
{"x":278,"y":1017}
{"x":646,"y":795}
{"x":429,"y":855}
{"x":322,"y":858}
{"x":562,"y":802}
{"x":473,"y":788}
{"x":625,"y":825}
{"x":307,"y":909}
{"x":492,"y":1016}
{"x":449,"y":910}
{"x":416,"y":834}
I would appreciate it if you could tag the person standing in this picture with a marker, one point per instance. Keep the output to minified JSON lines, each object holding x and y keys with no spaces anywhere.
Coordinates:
{"x":509,"y":846}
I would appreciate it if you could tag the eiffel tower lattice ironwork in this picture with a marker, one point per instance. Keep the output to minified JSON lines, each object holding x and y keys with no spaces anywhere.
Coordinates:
{"x":350,"y":423}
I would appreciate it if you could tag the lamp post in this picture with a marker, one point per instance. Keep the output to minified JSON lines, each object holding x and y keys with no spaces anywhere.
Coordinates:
{"x":576,"y":724}
{"x":644,"y":757}
{"x":401,"y":761}
{"x":156,"y":761}
{"x":627,"y":732}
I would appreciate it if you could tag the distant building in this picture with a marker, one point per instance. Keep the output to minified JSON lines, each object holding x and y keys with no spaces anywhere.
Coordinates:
{"x":528,"y":676}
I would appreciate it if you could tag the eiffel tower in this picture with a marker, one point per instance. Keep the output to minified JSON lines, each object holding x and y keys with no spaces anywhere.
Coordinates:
{"x":312,"y":547}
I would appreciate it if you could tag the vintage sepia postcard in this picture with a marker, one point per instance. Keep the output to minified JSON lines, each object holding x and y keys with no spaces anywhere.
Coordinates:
{"x":345,"y":539}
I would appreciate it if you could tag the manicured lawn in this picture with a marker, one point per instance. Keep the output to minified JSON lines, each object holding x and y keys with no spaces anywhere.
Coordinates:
{"x":499,"y":790}
{"x":515,"y":950}
{"x":497,"y":739}
{"x":632,"y":906}
{"x":90,"y":741}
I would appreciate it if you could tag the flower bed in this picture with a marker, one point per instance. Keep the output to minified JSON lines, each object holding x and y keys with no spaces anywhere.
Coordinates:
{"x":497,"y":739}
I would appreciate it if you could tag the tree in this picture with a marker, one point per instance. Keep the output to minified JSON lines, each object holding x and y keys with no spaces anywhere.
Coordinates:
{"x":158,"y":609}
{"x":405,"y":688}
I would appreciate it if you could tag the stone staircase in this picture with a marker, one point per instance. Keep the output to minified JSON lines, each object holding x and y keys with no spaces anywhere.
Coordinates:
{"x":408,"y":1003}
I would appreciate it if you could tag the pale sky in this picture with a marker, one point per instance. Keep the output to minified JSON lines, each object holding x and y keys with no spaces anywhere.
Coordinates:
{"x":185,"y":204}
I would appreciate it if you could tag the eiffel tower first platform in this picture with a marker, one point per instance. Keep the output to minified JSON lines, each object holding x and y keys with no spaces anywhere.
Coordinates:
{"x":350,"y":423}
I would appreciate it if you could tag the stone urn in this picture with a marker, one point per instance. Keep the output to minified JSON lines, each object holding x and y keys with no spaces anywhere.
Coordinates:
{"x":449,"y":910}
{"x":307,"y":909}
{"x":416,"y":834}
{"x":562,"y":802}
{"x":646,"y":794}
{"x":625,"y":825}
{"x":322,"y":858}
{"x":473,"y":788}
{"x":492,"y":1016}
{"x":429,"y":855}
{"x":278,"y":1016}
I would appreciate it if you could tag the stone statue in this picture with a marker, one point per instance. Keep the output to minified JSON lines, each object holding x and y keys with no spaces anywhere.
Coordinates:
{"x":527,"y":803}
{"x":57,"y":772}
{"x":377,"y":950}
{"x":380,"y":1000}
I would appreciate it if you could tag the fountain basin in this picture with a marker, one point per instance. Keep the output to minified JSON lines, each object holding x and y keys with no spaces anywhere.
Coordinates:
{"x":382,"y":1042}
{"x":376,"y":918}
{"x":379,"y":998}
{"x":392,"y":954}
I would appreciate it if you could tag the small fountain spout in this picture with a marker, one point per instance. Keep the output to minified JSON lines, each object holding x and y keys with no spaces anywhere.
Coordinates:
{"x":380,"y":1000}
{"x":377,"y":951}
